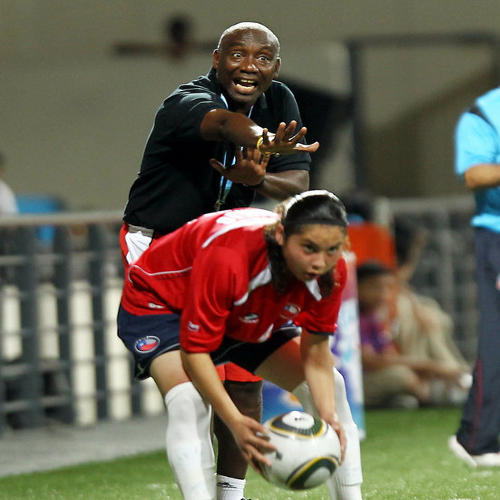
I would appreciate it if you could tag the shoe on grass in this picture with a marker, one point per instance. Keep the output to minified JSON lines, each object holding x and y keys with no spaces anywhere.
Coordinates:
{"x":484,"y":460}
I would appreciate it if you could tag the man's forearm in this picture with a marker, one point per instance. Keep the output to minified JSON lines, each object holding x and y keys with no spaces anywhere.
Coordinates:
{"x":322,"y":387}
{"x":281,"y":185}
{"x":484,"y":175}
{"x":223,"y":125}
{"x":318,"y":370}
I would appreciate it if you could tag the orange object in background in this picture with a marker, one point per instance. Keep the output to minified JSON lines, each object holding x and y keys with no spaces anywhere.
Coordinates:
{"x":370,"y":241}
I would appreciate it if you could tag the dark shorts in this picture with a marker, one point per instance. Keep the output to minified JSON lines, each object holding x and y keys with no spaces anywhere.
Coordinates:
{"x":148,"y":336}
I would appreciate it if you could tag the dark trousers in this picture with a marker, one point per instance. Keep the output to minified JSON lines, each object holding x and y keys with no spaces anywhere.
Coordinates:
{"x":480,"y":424}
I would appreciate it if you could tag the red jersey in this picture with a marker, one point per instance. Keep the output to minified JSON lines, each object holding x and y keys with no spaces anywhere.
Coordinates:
{"x":214,"y":272}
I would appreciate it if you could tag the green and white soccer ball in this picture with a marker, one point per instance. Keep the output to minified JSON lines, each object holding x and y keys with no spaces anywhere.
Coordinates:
{"x":308,"y":451}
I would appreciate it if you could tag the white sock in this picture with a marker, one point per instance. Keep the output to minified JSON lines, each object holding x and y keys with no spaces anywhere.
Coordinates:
{"x":189,"y":446}
{"x":340,"y":491}
{"x":229,"y":488}
{"x":345,"y":484}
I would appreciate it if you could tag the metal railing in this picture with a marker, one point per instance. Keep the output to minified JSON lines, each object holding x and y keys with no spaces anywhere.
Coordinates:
{"x":59,"y":354}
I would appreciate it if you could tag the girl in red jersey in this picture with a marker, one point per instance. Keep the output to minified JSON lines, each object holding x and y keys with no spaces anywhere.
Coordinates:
{"x":260,"y":289}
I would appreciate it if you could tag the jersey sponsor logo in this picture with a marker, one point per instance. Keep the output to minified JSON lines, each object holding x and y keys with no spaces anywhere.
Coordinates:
{"x":251,"y":318}
{"x":290,"y":311}
{"x":147,"y":344}
{"x":193,"y":326}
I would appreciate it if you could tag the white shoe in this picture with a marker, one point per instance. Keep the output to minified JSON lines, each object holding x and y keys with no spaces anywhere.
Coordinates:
{"x":484,"y":460}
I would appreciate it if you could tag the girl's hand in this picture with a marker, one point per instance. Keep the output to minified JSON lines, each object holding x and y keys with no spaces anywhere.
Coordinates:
{"x":337,"y":427}
{"x":253,"y":441}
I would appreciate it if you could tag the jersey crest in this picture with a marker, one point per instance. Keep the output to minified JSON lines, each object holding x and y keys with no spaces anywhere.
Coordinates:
{"x":290,"y":311}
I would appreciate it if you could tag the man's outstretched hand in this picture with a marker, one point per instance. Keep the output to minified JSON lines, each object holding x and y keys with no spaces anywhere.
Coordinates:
{"x":284,"y":141}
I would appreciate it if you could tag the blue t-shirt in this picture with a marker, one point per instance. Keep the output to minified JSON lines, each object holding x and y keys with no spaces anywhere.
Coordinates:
{"x":477,"y":140}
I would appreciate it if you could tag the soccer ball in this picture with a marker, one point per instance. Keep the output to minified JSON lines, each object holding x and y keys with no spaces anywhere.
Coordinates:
{"x":308,"y":451}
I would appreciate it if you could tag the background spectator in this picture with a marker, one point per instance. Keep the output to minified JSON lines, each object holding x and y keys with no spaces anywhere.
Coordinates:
{"x":387,"y":377}
{"x":391,"y":375}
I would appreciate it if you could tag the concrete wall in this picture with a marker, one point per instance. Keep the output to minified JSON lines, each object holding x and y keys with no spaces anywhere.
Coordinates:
{"x":74,"y":117}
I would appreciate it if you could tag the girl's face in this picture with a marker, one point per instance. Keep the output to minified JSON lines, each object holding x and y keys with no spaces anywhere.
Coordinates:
{"x":312,"y":252}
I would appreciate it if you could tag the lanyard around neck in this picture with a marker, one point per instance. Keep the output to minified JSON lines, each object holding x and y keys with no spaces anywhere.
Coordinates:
{"x":225,"y":183}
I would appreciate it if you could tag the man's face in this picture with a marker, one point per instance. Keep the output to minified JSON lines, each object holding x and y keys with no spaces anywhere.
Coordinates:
{"x":246,"y":63}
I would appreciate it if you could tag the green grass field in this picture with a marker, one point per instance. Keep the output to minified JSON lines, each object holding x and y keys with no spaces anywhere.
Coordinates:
{"x":405,"y":457}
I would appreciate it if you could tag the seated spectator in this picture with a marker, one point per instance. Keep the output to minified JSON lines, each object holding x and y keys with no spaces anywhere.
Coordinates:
{"x":420,"y":327}
{"x":391,"y":378}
